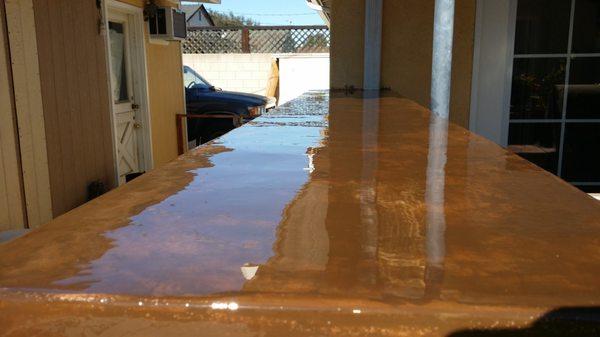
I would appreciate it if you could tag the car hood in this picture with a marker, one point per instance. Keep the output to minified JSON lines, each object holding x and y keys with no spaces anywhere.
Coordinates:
{"x":235,"y":94}
{"x":241,"y":97}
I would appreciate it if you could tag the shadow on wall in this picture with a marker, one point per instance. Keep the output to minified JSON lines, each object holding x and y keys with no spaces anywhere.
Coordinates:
{"x":563,"y":322}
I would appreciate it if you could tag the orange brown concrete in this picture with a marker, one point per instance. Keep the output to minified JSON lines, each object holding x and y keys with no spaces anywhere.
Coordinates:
{"x":312,"y":221}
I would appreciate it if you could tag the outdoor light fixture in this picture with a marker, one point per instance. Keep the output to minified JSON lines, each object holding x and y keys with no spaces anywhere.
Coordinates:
{"x":314,"y":6}
{"x":184,"y":2}
{"x":323,"y":10}
{"x":249,"y":270}
{"x":317,"y":6}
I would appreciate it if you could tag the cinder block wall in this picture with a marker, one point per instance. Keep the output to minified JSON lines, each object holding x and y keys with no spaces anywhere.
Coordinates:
{"x":234,"y":72}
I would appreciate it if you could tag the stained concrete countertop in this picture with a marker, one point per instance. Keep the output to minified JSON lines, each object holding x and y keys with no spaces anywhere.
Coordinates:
{"x":335,"y":215}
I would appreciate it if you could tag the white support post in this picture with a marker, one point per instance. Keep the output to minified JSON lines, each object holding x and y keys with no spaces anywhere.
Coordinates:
{"x":441,"y":72}
{"x":373,"y":19}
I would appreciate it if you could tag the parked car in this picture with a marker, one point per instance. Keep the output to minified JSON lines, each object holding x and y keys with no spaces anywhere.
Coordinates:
{"x":203,"y":98}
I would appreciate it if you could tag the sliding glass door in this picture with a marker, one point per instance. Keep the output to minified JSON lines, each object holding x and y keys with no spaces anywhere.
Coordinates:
{"x":555,"y":96}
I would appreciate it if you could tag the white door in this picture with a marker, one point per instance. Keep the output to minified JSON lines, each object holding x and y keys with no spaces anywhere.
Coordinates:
{"x":125,"y":109}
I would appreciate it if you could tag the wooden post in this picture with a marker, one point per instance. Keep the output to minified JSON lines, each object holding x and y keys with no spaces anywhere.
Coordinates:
{"x":245,"y":40}
{"x":181,"y":135}
{"x":178,"y":120}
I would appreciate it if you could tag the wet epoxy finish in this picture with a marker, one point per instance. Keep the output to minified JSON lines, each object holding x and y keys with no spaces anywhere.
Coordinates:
{"x":335,"y":215}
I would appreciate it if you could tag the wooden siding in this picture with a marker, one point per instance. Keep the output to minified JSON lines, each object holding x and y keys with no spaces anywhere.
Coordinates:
{"x":29,"y":110}
{"x":12,"y":207}
{"x":73,"y":76}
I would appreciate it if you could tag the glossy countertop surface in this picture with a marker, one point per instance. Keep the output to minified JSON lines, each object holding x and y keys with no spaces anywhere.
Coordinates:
{"x":363,"y":210}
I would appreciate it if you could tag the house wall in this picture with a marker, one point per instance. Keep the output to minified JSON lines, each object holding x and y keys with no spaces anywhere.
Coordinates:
{"x":165,"y":91}
{"x":199,"y":20}
{"x":347,"y":41}
{"x":62,"y":106}
{"x":73,"y":78}
{"x":12,"y":207}
{"x":165,"y":84}
{"x":407,"y":39}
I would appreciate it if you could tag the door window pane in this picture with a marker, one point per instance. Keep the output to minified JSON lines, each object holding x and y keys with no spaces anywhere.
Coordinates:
{"x":584,"y":88}
{"x":537,"y":88}
{"x":586,"y":28}
{"x":536,"y":142}
{"x":542,"y":26}
{"x":582,"y":152}
{"x":118,"y":71}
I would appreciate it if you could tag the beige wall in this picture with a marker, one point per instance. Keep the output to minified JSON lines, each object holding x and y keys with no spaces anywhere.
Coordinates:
{"x":165,"y":83}
{"x":347,"y":40}
{"x":406,"y":49}
{"x":165,"y":90}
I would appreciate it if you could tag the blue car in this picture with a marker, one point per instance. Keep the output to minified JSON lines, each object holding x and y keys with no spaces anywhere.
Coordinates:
{"x":202,"y":98}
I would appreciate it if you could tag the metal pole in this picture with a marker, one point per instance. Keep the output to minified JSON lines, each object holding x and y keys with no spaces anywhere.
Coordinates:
{"x":368,"y":185}
{"x":435,"y":190}
{"x":441,"y":75}
{"x":441,"y":72}
{"x":372,"y":52}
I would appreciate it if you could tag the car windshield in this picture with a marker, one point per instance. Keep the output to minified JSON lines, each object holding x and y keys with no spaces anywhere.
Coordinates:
{"x":191,"y":79}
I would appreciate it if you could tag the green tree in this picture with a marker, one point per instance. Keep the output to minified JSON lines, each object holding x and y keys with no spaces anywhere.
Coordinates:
{"x":316,"y":43}
{"x":231,"y":20}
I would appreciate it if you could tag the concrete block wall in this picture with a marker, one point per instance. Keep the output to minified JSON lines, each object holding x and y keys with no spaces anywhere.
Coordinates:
{"x":299,"y":73}
{"x":234,"y":72}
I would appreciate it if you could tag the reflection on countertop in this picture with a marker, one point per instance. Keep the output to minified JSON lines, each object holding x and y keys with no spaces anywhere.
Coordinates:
{"x":357,"y":209}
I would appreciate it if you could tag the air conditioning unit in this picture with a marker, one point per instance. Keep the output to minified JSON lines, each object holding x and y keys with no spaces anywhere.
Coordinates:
{"x":167,"y":23}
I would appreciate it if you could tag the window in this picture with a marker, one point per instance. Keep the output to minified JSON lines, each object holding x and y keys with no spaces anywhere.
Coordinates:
{"x":118,"y":54}
{"x":192,"y":80}
{"x":555,"y":97}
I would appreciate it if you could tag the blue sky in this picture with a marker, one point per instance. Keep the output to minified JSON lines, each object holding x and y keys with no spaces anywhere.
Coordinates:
{"x":271,"y":12}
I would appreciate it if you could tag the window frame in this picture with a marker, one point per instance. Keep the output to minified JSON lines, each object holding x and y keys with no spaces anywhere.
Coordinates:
{"x":486,"y":117}
{"x":569,"y":56}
